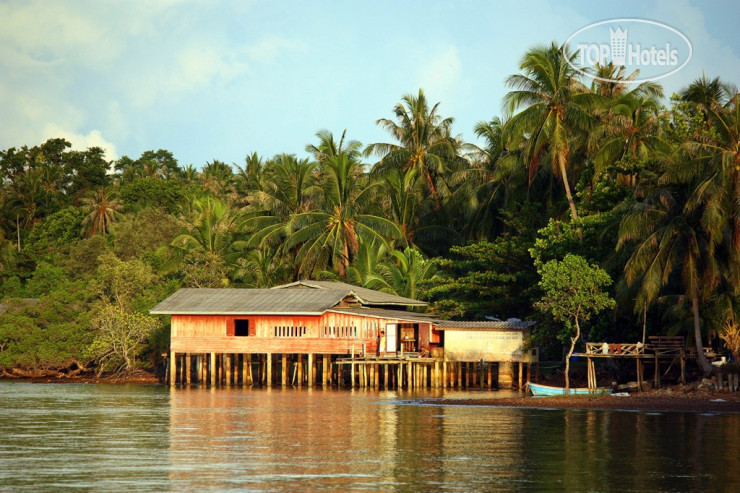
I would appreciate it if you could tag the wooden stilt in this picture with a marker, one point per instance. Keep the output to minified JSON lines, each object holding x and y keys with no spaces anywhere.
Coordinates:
{"x":173,"y":368}
{"x":656,"y":377}
{"x":521,"y":376}
{"x":311,"y":377}
{"x":490,"y":376}
{"x":188,"y":362}
{"x":268,"y":370}
{"x":385,"y":376}
{"x":212,"y":369}
{"x":300,"y":370}
{"x":284,"y":370}
{"x":683,"y":368}
{"x":228,"y":361}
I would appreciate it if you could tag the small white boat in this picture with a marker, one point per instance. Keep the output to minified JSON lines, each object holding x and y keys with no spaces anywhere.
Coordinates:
{"x":540,"y":390}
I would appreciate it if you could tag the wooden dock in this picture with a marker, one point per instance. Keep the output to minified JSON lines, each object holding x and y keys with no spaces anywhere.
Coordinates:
{"x":658,"y":350}
{"x":407,"y":371}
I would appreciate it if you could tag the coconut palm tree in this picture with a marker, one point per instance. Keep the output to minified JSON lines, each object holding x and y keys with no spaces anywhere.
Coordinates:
{"x":555,"y":109}
{"x":217,"y":177}
{"x":213,"y":230}
{"x":407,"y":274}
{"x":288,"y":187}
{"x":627,"y":136}
{"x":103,"y":209}
{"x":667,"y":240}
{"x":423,"y":143}
{"x":710,"y":160}
{"x":328,"y":147}
{"x":610,"y":82}
{"x":495,"y":180}
{"x":329,"y":235}
{"x":261,"y":269}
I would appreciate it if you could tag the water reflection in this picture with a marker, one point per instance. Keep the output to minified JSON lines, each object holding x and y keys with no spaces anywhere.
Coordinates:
{"x":111,"y":438}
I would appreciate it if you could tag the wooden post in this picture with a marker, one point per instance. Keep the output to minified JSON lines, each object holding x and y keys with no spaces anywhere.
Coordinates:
{"x":399,"y":376}
{"x":683,"y":367}
{"x":521,"y":376}
{"x":352,"y":375}
{"x":445,"y":379}
{"x":490,"y":375}
{"x":529,"y":371}
{"x":227,"y":358}
{"x":213,"y":369}
{"x":590,"y":375}
{"x":385,"y":376}
{"x":409,"y":375}
{"x":300,"y":370}
{"x":188,"y":368}
{"x":656,"y":377}
{"x":459,"y":370}
{"x":173,"y":368}
{"x":284,"y":370}
{"x":311,"y":377}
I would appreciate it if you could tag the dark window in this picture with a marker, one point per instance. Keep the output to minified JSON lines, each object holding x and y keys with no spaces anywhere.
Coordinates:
{"x":241,"y":328}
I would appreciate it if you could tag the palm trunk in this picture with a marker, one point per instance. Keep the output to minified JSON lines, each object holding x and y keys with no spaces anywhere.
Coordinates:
{"x":571,"y":203}
{"x":701,"y":359}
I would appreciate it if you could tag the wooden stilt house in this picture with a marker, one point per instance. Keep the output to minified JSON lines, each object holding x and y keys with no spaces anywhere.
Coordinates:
{"x":295,"y":333}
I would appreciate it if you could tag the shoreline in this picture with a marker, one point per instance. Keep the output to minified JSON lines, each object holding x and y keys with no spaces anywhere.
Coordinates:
{"x":662,"y":400}
{"x":668,"y":399}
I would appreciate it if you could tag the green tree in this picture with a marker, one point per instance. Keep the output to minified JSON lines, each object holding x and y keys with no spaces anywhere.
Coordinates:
{"x":329,"y":235}
{"x":573,"y":293}
{"x":487,"y":278}
{"x":555,"y":109}
{"x":102,"y":210}
{"x":407,"y":274}
{"x":666,"y":240}
{"x":122,"y":282}
{"x":424,"y":143}
{"x":120,"y":338}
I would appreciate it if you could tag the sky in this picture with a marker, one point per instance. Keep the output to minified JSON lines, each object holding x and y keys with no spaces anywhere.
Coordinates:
{"x":219,"y":80}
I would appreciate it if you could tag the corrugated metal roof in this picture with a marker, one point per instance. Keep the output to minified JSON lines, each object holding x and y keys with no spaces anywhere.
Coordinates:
{"x":488,"y":325}
{"x":386,"y":313}
{"x":214,"y":301}
{"x":367,"y":296}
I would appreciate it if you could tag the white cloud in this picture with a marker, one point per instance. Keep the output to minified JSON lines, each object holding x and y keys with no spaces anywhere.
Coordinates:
{"x":81,"y":142}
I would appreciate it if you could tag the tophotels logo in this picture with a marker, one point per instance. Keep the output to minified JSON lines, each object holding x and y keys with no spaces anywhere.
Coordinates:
{"x":652,"y":48}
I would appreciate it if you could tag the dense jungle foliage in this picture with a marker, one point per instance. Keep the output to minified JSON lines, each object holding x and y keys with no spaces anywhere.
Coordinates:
{"x":645,"y":188}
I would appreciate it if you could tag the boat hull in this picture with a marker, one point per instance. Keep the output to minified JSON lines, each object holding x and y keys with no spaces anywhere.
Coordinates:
{"x":540,"y":390}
